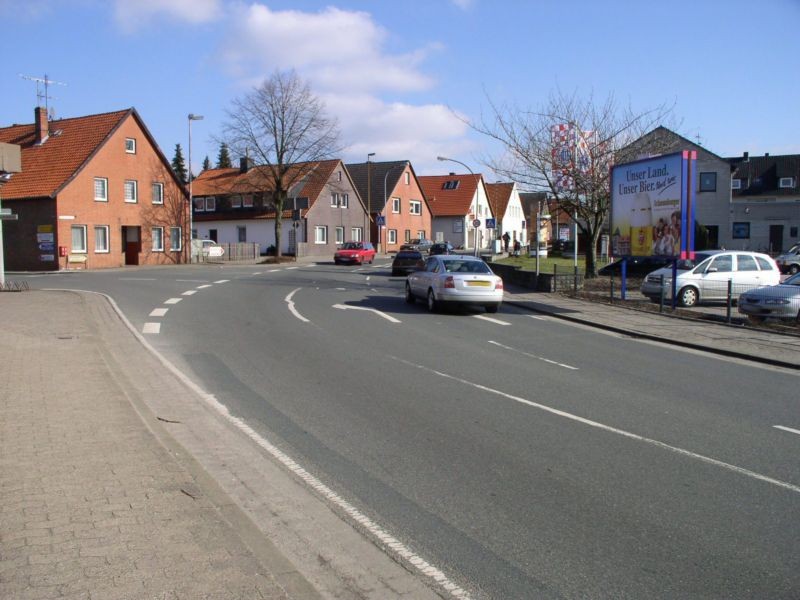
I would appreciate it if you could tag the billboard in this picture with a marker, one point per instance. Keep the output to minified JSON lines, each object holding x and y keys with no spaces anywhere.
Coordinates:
{"x":652,"y":207}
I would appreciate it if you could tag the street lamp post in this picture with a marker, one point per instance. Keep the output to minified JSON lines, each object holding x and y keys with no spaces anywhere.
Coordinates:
{"x":192,"y":117}
{"x":369,"y":197}
{"x":476,"y":194}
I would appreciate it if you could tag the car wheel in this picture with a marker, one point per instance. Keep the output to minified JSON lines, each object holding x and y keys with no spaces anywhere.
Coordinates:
{"x":410,"y":299}
{"x":492,"y":308}
{"x":794,"y":269}
{"x":432,"y":304}
{"x":688,"y":297}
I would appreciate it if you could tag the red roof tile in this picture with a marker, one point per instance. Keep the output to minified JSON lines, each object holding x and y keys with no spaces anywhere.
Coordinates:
{"x":449,"y":202}
{"x":48,"y":166}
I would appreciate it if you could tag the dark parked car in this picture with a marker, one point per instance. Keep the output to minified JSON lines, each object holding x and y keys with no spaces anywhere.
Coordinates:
{"x":420,"y":244}
{"x":638,"y":266}
{"x":407,"y":261}
{"x":441,"y":248}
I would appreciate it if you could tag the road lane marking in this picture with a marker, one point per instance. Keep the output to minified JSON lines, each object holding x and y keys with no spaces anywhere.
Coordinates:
{"x":538,"y":318}
{"x":202,"y":287}
{"x":257,"y":273}
{"x":137,"y":279}
{"x":542,"y":358}
{"x":191,"y":280}
{"x":273,"y":270}
{"x":173,"y":300}
{"x":789,"y":429}
{"x":189,"y":293}
{"x":151,"y":328}
{"x":222,"y":281}
{"x":292,"y":309}
{"x":291,"y":268}
{"x":491,"y":320}
{"x":377,"y":312}
{"x":608,"y":428}
{"x":158,"y":312}
{"x":378,"y":532}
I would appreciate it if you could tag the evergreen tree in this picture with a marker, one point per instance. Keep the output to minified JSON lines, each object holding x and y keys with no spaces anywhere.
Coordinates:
{"x":206,"y":164}
{"x":224,"y":158}
{"x":179,"y":165}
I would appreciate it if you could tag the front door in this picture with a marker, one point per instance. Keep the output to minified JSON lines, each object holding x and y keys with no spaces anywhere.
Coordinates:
{"x":776,"y":238}
{"x":132,"y":245}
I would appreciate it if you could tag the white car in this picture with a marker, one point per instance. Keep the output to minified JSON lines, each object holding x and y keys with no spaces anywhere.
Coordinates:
{"x":789,"y":261}
{"x":708,"y":276}
{"x":449,"y":279}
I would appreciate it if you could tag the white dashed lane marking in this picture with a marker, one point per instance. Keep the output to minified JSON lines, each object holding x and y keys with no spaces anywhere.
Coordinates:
{"x":202,"y":287}
{"x":158,"y":312}
{"x":151,"y":328}
{"x":189,"y":293}
{"x":222,"y":281}
{"x":173,"y":300}
{"x":543,"y":359}
{"x":491,"y":320}
{"x":789,"y":429}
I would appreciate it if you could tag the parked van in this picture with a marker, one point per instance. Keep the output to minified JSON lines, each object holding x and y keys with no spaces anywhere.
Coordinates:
{"x":706,"y":278}
{"x":789,"y":261}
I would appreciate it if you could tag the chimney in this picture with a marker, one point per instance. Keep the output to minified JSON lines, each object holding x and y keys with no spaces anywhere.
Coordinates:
{"x":766,"y":153}
{"x":452,"y":174}
{"x":41,"y":124}
{"x":244,"y":164}
{"x":746,"y":156}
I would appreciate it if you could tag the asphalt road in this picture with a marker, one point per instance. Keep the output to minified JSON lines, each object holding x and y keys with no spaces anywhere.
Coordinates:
{"x":523,"y":456}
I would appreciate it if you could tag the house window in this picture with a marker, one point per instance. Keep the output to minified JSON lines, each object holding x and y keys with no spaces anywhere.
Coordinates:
{"x":158,"y":193}
{"x":157,"y":234}
{"x":211,"y":204}
{"x":786,"y":182}
{"x":79,"y":238}
{"x":355,"y":234}
{"x":708,"y":182}
{"x":340,"y":235}
{"x":236,"y":201}
{"x":100,"y":189}
{"x":338,"y":175}
{"x":130,"y":145}
{"x":741,"y":231}
{"x":199,"y":204}
{"x":407,"y":235}
{"x":334,"y":200}
{"x":101,"y":239}
{"x":408,"y":178}
{"x":392,"y":236}
{"x":736,"y":184}
{"x":792,"y":232}
{"x":175,"y":239}
{"x":415,"y":207}
{"x":320,"y":234}
{"x":421,"y":234}
{"x":396,"y":205}
{"x":131,"y":191}
{"x":241,"y":234}
{"x":451,"y":185}
{"x":247,"y":201}
{"x":345,"y":201}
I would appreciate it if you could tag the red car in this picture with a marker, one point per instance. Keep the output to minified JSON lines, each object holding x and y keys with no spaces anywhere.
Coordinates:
{"x":354,"y":253}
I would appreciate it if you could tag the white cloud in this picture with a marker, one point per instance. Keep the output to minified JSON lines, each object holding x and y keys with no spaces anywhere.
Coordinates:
{"x":463,"y":4}
{"x":130,"y":14}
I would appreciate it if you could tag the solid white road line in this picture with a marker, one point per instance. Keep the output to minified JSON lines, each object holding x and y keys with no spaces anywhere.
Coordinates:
{"x":789,"y":429}
{"x":560,"y":413}
{"x":377,"y":312}
{"x":137,"y":279}
{"x":547,"y":360}
{"x":222,"y":281}
{"x":395,"y":546}
{"x":158,"y":312}
{"x":173,"y":300}
{"x":292,"y":309}
{"x":538,"y":318}
{"x":189,"y":293}
{"x":491,"y":320}
{"x":151,"y":328}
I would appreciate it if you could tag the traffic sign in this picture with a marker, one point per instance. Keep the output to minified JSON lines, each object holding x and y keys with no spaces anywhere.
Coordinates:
{"x":476,"y":223}
{"x":380,"y":220}
{"x":490,"y":223}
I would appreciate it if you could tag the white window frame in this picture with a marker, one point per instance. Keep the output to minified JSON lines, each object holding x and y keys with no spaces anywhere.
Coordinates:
{"x":211,"y":203}
{"x":338,"y":176}
{"x":334,"y":200}
{"x":134,"y":187}
{"x":396,"y":205}
{"x":104,"y":182}
{"x":102,"y":249}
{"x":199,"y":204}
{"x":130,"y":145}
{"x":356,"y":234}
{"x":786,"y":182}
{"x":157,"y":190}
{"x":339,"y":234}
{"x":236,"y":201}
{"x":80,"y":249}
{"x":247,"y":201}
{"x":345,"y":201}
{"x":736,"y":184}
{"x":421,"y":234}
{"x":172,"y":238}
{"x":321,"y":234}
{"x":415,"y":207}
{"x":157,"y":247}
{"x":408,"y":178}
{"x":392,"y":236}
{"x":241,"y":234}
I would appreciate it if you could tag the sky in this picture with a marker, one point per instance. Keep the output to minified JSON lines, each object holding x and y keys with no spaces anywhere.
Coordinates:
{"x":404,"y":78}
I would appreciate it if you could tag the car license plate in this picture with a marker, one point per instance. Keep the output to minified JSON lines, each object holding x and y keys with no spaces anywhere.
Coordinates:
{"x":479,"y":283}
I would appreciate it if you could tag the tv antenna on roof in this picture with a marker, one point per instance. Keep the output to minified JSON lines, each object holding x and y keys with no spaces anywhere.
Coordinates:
{"x":40,"y":95}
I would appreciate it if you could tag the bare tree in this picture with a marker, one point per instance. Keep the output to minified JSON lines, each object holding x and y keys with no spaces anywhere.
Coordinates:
{"x":283,"y":126}
{"x":167,"y":208}
{"x":566,"y":148}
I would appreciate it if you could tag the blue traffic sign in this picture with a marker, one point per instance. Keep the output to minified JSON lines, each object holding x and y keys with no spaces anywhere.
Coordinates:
{"x":490,"y":223}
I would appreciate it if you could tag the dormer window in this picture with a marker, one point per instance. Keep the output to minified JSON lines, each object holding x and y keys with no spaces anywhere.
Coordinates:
{"x":130,"y":145}
{"x":786,"y":182}
{"x":451,"y":185}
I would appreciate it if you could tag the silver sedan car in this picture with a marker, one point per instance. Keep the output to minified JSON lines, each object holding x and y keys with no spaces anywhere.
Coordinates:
{"x":450,"y":279}
{"x":781,"y":301}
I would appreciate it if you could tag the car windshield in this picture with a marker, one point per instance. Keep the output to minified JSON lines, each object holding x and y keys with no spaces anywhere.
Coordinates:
{"x":793,"y":280}
{"x":466,"y":266}
{"x":352,"y":246}
{"x":686,"y":264}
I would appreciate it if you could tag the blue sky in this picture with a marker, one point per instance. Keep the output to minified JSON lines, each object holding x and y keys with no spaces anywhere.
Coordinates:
{"x":394,"y":73}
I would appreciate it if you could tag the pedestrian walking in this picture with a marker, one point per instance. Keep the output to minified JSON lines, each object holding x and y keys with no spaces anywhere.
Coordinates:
{"x":506,"y":240}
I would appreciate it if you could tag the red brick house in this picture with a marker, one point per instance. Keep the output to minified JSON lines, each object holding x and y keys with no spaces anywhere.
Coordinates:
{"x":392,"y":194}
{"x":94,"y":192}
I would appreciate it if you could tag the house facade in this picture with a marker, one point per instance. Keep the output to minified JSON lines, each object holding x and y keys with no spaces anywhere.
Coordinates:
{"x":394,"y":200}
{"x":323,"y":210}
{"x":506,"y":207}
{"x":453,"y":200}
{"x":94,"y":192}
{"x":765,"y":202}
